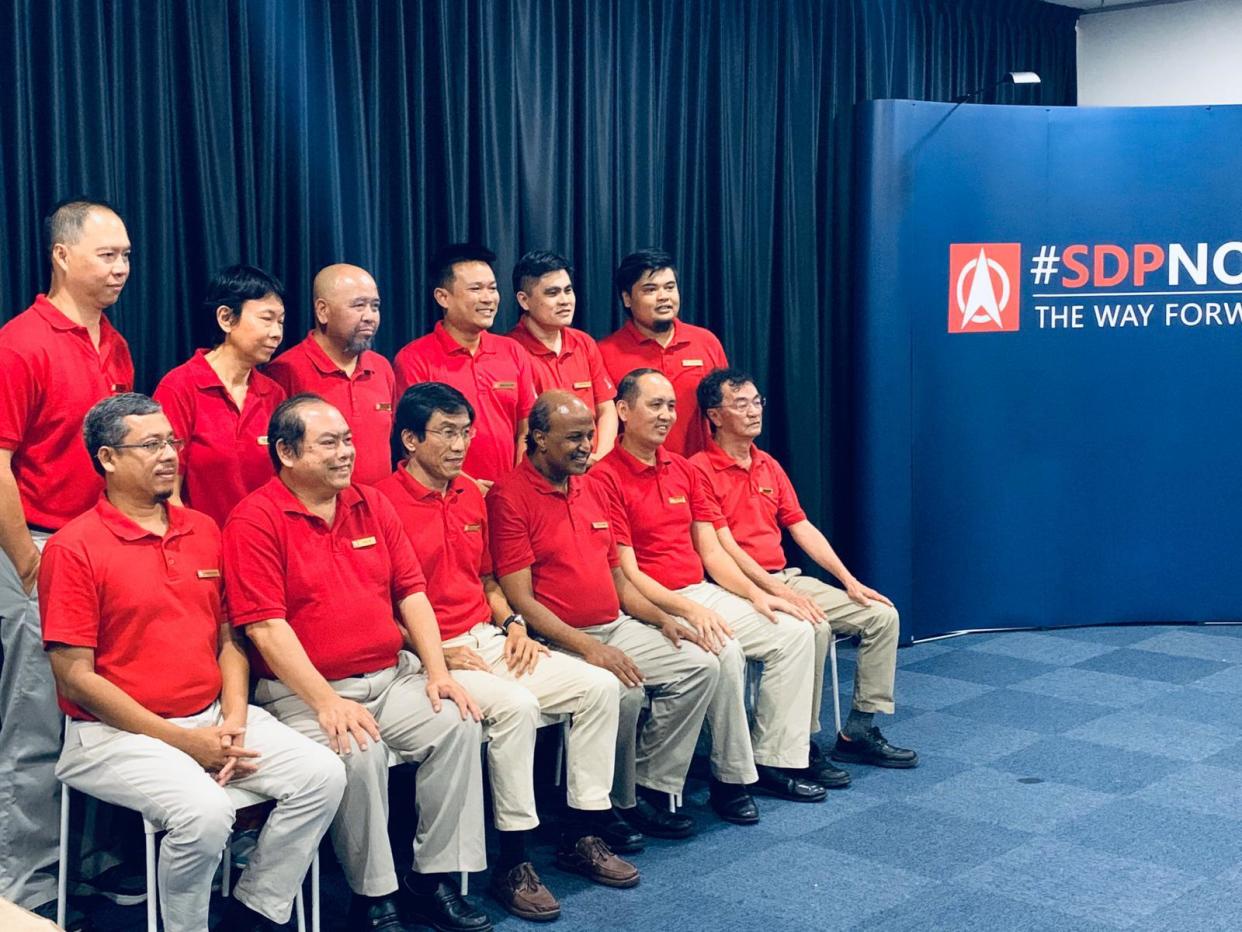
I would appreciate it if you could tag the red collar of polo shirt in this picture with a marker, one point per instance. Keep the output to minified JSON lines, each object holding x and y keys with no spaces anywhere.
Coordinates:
{"x":124,"y":527}
{"x":348,"y":497}
{"x":449,"y":345}
{"x":720,"y":460}
{"x":420,"y":492}
{"x":541,"y":484}
{"x":637,"y":466}
{"x":207,"y":377}
{"x":639,"y":337}
{"x":533,"y":344}
{"x":58,"y":320}
{"x":323,"y":362}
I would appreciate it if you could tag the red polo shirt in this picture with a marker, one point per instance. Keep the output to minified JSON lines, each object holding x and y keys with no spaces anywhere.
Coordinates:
{"x":149,"y":606}
{"x":50,"y":376}
{"x":565,"y":539}
{"x":365,"y":399}
{"x":336,"y":586}
{"x":652,"y":509}
{"x":496,"y":380}
{"x":225,"y":457}
{"x":755,"y":503}
{"x":449,"y":534}
{"x":577,"y":368}
{"x":691,"y":354}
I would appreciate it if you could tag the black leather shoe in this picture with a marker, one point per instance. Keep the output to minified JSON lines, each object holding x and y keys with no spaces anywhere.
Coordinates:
{"x":788,"y":784}
{"x":621,"y":834}
{"x":733,"y":803}
{"x":75,"y":919}
{"x":824,"y":773}
{"x":872,"y":749}
{"x":375,"y":912}
{"x":444,"y":909}
{"x":241,"y":918}
{"x":657,"y":822}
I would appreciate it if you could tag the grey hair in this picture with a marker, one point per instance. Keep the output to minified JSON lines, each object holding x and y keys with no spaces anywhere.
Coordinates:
{"x":104,"y":425}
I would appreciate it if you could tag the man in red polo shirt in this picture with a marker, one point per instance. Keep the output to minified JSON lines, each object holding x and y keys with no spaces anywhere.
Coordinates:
{"x":57,"y":358}
{"x":655,"y":338}
{"x":336,"y":362}
{"x":314,"y":569}
{"x":663,"y":515}
{"x":557,"y":562}
{"x":561,"y":356}
{"x":511,"y":676}
{"x":757,"y":500}
{"x":124,"y":587}
{"x":493,"y":372}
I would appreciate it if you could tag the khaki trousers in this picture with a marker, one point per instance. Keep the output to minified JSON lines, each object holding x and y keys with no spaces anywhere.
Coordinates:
{"x":448,"y":787}
{"x":681,"y":682}
{"x":779,"y":737}
{"x":171,"y":789}
{"x":878,"y":627}
{"x":511,"y":708}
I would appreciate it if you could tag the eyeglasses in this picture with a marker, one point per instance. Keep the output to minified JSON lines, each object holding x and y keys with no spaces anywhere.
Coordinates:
{"x":152,"y":447}
{"x":742,"y":405}
{"x":452,"y":435}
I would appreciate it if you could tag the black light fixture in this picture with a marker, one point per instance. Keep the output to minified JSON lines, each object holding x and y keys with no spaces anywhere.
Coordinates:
{"x":1013,"y":77}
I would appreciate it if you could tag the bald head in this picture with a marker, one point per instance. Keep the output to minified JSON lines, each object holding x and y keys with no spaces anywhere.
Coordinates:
{"x":347,"y":308}
{"x":562,"y":429}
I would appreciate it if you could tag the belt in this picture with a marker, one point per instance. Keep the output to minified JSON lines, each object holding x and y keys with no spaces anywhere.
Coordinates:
{"x":41,"y":529}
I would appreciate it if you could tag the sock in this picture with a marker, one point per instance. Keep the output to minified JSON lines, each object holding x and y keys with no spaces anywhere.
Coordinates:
{"x":857,"y":724}
{"x":512,"y":849}
{"x":425,"y":883}
{"x":582,"y":822}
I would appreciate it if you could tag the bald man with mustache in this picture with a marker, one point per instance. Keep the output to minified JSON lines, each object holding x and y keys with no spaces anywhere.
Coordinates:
{"x":336,"y":362}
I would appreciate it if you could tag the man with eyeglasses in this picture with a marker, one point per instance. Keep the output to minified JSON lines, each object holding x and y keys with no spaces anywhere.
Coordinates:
{"x":512,"y":676}
{"x":57,"y":358}
{"x":124,"y":587}
{"x":315,"y":568}
{"x":757,"y":500}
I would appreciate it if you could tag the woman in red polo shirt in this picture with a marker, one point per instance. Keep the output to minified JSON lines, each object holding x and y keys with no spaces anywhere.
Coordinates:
{"x":218,"y":402}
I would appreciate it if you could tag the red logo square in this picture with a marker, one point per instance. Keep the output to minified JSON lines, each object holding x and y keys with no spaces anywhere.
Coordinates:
{"x":985,"y":284}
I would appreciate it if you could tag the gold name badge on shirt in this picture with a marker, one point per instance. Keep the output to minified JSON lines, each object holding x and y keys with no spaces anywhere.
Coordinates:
{"x":504,"y":385}
{"x":262,"y":440}
{"x":764,"y":490}
{"x":208,"y":574}
{"x":362,"y":542}
{"x":692,"y":362}
{"x":473,"y":527}
{"x":120,"y":387}
{"x":383,"y":406}
{"x":586,"y":384}
{"x":677,"y":499}
{"x":600,"y":525}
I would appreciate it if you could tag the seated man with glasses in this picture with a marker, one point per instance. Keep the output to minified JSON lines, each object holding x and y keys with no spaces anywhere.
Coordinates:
{"x":757,"y":501}
{"x":123,"y":590}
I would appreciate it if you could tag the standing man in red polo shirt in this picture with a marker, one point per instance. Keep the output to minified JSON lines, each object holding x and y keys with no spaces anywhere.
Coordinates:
{"x":219,"y":403}
{"x":513,"y":677}
{"x":757,"y":501}
{"x":655,"y":338}
{"x":560,"y":355}
{"x":493,"y":372}
{"x":336,"y":362}
{"x":557,"y":562}
{"x":57,"y":358}
{"x":663,"y":514}
{"x":124,"y":587}
{"x":315,"y":568}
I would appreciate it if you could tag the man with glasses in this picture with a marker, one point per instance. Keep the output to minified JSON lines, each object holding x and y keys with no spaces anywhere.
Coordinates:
{"x":757,"y":501}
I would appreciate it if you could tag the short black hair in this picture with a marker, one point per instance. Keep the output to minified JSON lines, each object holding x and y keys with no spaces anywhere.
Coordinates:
{"x":539,"y":419}
{"x":418,"y":404}
{"x":64,"y":219}
{"x":440,"y":268}
{"x":234,"y":285}
{"x":536,"y":264}
{"x":286,"y":425}
{"x":104,"y":424}
{"x":627,"y":388}
{"x":709,"y":392}
{"x":636,"y":265}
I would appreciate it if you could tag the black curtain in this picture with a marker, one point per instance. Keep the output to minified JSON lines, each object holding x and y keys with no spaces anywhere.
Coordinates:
{"x":294,"y":133}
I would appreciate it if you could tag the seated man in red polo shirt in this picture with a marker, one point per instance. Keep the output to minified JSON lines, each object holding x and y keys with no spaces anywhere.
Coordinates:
{"x":557,"y":562}
{"x":493,"y":372}
{"x":655,"y":337}
{"x":336,"y":362}
{"x":124,"y":588}
{"x":512,"y":677}
{"x":560,"y":355}
{"x":315,"y":569}
{"x":757,"y":500}
{"x":663,"y":515}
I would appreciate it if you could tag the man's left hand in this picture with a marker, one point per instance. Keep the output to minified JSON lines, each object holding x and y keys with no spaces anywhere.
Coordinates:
{"x":768,"y":605}
{"x":865,"y":595}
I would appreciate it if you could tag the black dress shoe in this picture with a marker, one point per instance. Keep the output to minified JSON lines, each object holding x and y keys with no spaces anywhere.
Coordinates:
{"x":444,"y":909}
{"x":872,"y":749}
{"x":788,"y":784}
{"x":657,"y":822}
{"x":375,"y":912}
{"x":75,"y":919}
{"x":241,"y":918}
{"x":620,"y":833}
{"x":733,"y":803}
{"x":824,"y":773}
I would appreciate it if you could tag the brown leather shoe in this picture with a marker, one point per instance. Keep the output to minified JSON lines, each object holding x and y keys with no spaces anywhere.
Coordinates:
{"x":595,"y":861}
{"x":522,"y":893}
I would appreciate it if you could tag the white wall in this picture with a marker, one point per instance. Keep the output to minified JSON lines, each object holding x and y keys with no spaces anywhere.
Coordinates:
{"x":1178,"y":53}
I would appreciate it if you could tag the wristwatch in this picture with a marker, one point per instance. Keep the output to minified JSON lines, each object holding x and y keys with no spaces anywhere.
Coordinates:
{"x":514,"y":619}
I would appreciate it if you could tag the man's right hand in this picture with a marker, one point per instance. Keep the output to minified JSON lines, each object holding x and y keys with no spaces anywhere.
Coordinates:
{"x":340,"y":718}
{"x":207,"y":746}
{"x":712,"y":629}
{"x":615,"y":661}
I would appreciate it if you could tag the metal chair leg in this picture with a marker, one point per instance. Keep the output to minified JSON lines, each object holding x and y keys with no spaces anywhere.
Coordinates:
{"x":153,"y":892}
{"x":62,"y":881}
{"x":836,"y":685}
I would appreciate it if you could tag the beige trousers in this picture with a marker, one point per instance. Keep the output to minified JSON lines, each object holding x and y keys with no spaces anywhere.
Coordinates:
{"x":511,"y":708}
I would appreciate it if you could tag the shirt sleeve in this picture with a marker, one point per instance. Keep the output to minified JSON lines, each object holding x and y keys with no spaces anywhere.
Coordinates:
{"x":509,"y":538}
{"x":19,"y":396}
{"x":485,"y":557}
{"x":280,"y":371}
{"x":717,"y":353}
{"x":601,"y":382}
{"x":254,"y":571}
{"x":704,"y":505}
{"x":407,"y":573}
{"x":525,"y":383}
{"x":405,"y":372}
{"x":710,"y":487}
{"x":179,"y":410}
{"x":788,"y":508}
{"x":68,"y":599}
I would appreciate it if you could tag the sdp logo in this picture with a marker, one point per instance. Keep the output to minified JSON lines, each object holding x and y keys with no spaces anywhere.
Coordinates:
{"x":985,"y":281}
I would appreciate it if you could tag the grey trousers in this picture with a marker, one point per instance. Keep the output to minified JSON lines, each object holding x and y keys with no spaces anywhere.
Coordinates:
{"x":681,"y":682}
{"x":30,"y":723}
{"x":448,"y":788}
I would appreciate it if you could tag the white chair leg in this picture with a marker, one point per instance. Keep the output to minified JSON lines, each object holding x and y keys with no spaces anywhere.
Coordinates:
{"x":465,"y":882}
{"x":62,"y":881}
{"x":672,"y":802}
{"x":836,"y":685}
{"x":560,"y":753}
{"x":226,"y":867}
{"x":153,"y":892}
{"x":300,"y":909}
{"x":315,"y":892}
